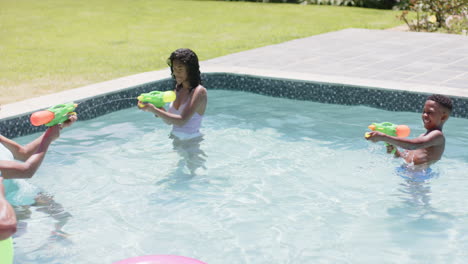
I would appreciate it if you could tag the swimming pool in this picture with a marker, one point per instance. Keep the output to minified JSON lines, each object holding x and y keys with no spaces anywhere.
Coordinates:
{"x":274,"y":181}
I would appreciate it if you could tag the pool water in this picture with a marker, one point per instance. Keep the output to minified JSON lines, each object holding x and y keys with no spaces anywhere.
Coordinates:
{"x":274,"y":181}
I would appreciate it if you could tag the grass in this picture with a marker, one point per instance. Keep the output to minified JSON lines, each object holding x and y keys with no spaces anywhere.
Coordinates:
{"x":48,"y":46}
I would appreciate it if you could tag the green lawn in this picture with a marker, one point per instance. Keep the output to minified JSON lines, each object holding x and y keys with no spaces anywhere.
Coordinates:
{"x":53,"y":45}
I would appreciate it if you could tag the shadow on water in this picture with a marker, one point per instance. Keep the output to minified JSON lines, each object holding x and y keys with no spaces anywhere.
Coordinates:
{"x":45,"y":204}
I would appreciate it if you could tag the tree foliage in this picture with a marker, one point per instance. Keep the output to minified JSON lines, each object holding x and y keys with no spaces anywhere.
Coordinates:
{"x":437,"y":15}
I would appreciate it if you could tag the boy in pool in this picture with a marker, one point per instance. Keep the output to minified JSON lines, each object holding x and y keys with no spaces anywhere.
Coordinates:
{"x":427,"y":149}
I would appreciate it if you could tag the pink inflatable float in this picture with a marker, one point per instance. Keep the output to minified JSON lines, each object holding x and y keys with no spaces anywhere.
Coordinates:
{"x":160,"y":259}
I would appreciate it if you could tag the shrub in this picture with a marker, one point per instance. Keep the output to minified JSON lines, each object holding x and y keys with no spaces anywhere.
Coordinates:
{"x":269,"y":1}
{"x":381,"y":4}
{"x":437,"y":15}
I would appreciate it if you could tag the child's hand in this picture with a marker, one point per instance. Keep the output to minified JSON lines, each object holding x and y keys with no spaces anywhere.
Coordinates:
{"x":52,"y":133}
{"x":146,"y":107}
{"x":390,"y":148}
{"x":150,"y":108}
{"x":374,"y":136}
{"x":71,"y":119}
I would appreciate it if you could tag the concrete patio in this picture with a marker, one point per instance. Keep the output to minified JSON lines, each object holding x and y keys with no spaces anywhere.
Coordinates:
{"x":425,"y":62}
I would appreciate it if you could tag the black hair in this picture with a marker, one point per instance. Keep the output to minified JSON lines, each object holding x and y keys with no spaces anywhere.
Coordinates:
{"x":190,"y":59}
{"x":442,"y":100}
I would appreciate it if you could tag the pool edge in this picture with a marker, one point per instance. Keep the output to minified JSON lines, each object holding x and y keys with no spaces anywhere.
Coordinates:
{"x":393,"y":96}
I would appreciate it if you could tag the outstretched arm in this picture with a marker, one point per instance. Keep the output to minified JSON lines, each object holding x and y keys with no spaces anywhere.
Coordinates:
{"x":14,"y":169}
{"x":7,"y":216}
{"x":24,"y":152}
{"x":433,"y":138}
{"x":21,"y":152}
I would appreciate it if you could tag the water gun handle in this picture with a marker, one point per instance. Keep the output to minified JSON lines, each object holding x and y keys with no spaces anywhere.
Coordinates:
{"x":394,"y":148}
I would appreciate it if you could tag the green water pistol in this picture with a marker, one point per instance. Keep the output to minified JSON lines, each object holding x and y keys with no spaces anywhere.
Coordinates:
{"x":391,"y":130}
{"x":157,"y":98}
{"x":55,"y":115}
{"x":6,"y":251}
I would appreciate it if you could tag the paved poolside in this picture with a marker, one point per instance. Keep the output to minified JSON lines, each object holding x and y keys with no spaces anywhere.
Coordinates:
{"x":410,"y":61}
{"x":423,"y":62}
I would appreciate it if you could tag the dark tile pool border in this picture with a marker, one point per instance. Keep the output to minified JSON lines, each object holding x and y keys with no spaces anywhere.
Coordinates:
{"x":343,"y":94}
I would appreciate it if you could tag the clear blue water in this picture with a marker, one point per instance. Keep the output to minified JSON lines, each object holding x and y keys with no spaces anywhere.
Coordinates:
{"x":274,"y":181}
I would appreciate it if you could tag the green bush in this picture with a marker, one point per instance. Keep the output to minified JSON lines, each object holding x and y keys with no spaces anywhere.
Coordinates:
{"x":268,"y":1}
{"x":380,"y":4}
{"x":437,"y":15}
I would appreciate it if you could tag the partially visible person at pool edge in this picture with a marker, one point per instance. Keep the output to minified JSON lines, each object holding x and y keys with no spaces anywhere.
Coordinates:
{"x":11,"y":171}
{"x":186,"y":112}
{"x":7,"y":215}
{"x":427,"y":149}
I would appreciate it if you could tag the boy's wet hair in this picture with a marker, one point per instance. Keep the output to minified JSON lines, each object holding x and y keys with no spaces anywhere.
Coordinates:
{"x":190,"y":59}
{"x":442,"y":100}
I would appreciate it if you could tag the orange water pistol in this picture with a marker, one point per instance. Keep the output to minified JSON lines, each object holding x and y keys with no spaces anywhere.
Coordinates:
{"x":54,"y":115}
{"x":390,"y":129}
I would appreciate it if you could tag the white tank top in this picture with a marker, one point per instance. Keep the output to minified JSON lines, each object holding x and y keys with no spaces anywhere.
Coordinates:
{"x":191,"y":129}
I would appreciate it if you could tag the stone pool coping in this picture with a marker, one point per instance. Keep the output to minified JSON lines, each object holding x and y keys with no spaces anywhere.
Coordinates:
{"x":130,"y":82}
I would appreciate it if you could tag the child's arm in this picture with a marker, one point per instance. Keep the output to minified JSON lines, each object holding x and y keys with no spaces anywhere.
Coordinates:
{"x":14,"y":169}
{"x":24,"y":152}
{"x":199,"y":97}
{"x":164,"y":110}
{"x":21,"y":152}
{"x":432,"y":138}
{"x":7,"y":216}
